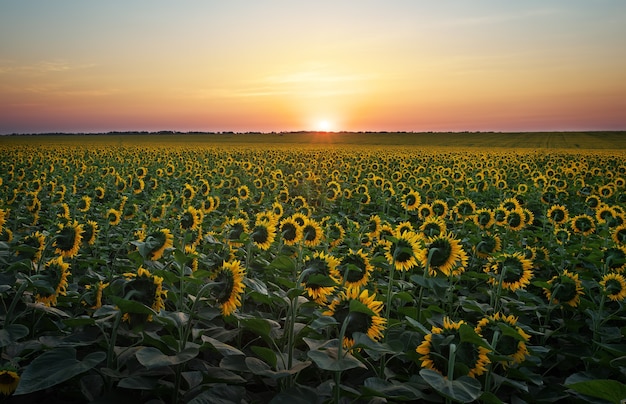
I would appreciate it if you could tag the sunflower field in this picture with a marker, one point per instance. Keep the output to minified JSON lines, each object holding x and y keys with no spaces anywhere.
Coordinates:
{"x":230,"y":273}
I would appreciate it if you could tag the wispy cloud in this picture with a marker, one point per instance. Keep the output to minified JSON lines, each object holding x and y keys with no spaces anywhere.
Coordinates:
{"x":41,"y":67}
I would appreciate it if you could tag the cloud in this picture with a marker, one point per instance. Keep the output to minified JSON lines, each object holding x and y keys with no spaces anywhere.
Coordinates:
{"x":42,"y":67}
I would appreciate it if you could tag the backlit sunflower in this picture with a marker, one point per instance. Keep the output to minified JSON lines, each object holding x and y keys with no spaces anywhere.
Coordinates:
{"x":439,"y":207}
{"x":312,"y":233}
{"x":403,"y":227}
{"x":514,"y":348}
{"x":515,"y":219}
{"x":465,"y":208}
{"x":9,"y":380}
{"x":145,"y":288}
{"x":513,"y":271}
{"x":158,"y":242}
{"x":435,"y":351}
{"x":444,"y":254}
{"x":190,"y":218}
{"x":290,"y":231}
{"x":433,"y":226}
{"x":234,"y":229}
{"x":371,"y":324}
{"x":84,"y":203}
{"x":619,"y":235}
{"x":55,"y":274}
{"x":113,"y":216}
{"x":35,"y":243}
{"x":411,"y":201}
{"x":404,"y":251}
{"x":488,"y":245}
{"x":229,"y":277}
{"x":583,"y":224}
{"x":558,"y":214}
{"x":90,"y":232}
{"x":614,"y":285}
{"x":67,"y":239}
{"x":425,"y":211}
{"x":564,"y":289}
{"x":484,"y":218}
{"x":356,"y":268}
{"x":263,"y":234}
{"x":317,"y":276}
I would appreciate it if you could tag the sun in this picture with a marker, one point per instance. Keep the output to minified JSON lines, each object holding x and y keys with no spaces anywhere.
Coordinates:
{"x":324,"y":126}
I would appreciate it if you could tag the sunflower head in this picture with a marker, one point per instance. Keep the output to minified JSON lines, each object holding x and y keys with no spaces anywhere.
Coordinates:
{"x":405,"y":251}
{"x":312,"y":233}
{"x":157,"y":242}
{"x":488,"y":245}
{"x":360,"y":317}
{"x":263,"y":234}
{"x":354,"y":270}
{"x":145,"y":288}
{"x":511,"y":340}
{"x":565,"y":289}
{"x":55,"y":274}
{"x":67,"y":239}
{"x":444,"y":254}
{"x":9,"y":380}
{"x":614,"y":286}
{"x":229,"y":280}
{"x":290,"y":231}
{"x":511,"y":271}
{"x":317,"y":276}
{"x":583,"y":224}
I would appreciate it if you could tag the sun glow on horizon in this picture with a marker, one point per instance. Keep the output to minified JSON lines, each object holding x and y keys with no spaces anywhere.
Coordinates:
{"x":324,"y":126}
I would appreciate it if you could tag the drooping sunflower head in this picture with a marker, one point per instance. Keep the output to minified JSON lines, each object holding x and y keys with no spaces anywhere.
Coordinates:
{"x":470,"y":359}
{"x":67,"y":239}
{"x":444,"y":254}
{"x":146,"y":289}
{"x":263,"y":234}
{"x":510,"y":344}
{"x":614,"y":286}
{"x":565,"y":289}
{"x":90,"y":232}
{"x":290,"y":231}
{"x":229,"y":279}
{"x":355,"y":267}
{"x":366,"y":320}
{"x":317,"y":276}
{"x":55,"y":275}
{"x":158,"y":242}
{"x":33,"y":246}
{"x":511,"y":271}
{"x":312,"y":233}
{"x":9,"y":380}
{"x":488,"y":245}
{"x":583,"y":224}
{"x":405,"y":251}
{"x":433,"y":226}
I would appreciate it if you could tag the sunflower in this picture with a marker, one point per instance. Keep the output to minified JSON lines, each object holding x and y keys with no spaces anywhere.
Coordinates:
{"x":562,"y":235}
{"x":263,"y":234}
{"x":435,"y":351}
{"x":605,"y":214}
{"x":425,"y":211}
{"x":84,"y":203}
{"x":235,"y":228}
{"x":488,"y":245}
{"x":9,"y":379}
{"x":3,"y":217}
{"x":290,"y":231}
{"x":188,"y":193}
{"x":267,"y":216}
{"x":147,"y":289}
{"x":566,"y":288}
{"x":97,"y":293}
{"x":513,"y":271}
{"x":411,"y":201}
{"x":67,"y":239}
{"x":312,"y":233}
{"x":619,"y":235}
{"x":230,"y":279}
{"x":317,"y":276}
{"x":439,"y":207}
{"x":615,"y":258}
{"x":190,"y":218}
{"x":356,"y":267}
{"x":90,"y":232}
{"x":499,"y":215}
{"x":63,"y":211}
{"x":6,"y":235}
{"x":243,"y":192}
{"x":465,"y":208}
{"x":404,"y":251}
{"x":35,"y":243}
{"x":373,"y":227}
{"x":157,"y":213}
{"x":113,"y":216}
{"x":558,"y":214}
{"x":614,"y":286}
{"x":512,"y":347}
{"x":444,"y":254}
{"x":158,"y":242}
{"x":484,"y":218}
{"x":515,"y":219}
{"x":336,"y":233}
{"x":99,"y":192}
{"x":583,"y":224}
{"x":363,"y":321}
{"x":403,"y":227}
{"x":56,"y":274}
{"x":433,"y":226}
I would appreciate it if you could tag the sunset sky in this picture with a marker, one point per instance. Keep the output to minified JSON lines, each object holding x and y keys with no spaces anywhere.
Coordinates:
{"x":534,"y":65}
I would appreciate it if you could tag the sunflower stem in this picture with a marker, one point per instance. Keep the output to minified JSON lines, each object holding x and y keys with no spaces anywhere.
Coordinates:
{"x":494,"y":342}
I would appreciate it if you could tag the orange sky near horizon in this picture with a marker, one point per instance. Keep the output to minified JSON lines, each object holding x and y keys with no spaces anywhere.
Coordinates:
{"x":68,"y":66}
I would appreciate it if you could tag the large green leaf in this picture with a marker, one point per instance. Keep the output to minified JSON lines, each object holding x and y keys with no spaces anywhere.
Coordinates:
{"x":153,"y":358}
{"x":610,"y":390}
{"x":132,"y":306}
{"x":296,"y":395}
{"x":328,"y":360}
{"x":54,"y":367}
{"x":464,"y":389}
{"x":383,"y":388}
{"x":221,"y":347}
{"x":11,"y":333}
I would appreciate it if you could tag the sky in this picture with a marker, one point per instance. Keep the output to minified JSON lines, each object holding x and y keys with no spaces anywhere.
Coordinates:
{"x":352,"y":65}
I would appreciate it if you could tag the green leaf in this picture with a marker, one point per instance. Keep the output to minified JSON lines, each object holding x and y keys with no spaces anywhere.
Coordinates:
{"x":11,"y":333}
{"x":358,"y":307}
{"x":295,"y":395}
{"x":259,"y":326}
{"x":610,"y":390}
{"x":132,"y":306}
{"x":54,"y":367}
{"x":468,"y":334}
{"x":464,"y":389}
{"x":283,"y":263}
{"x":153,"y":358}
{"x":138,"y":383}
{"x":266,"y":354}
{"x":327,"y":360}
{"x":224,"y":349}
{"x":384,"y":388}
